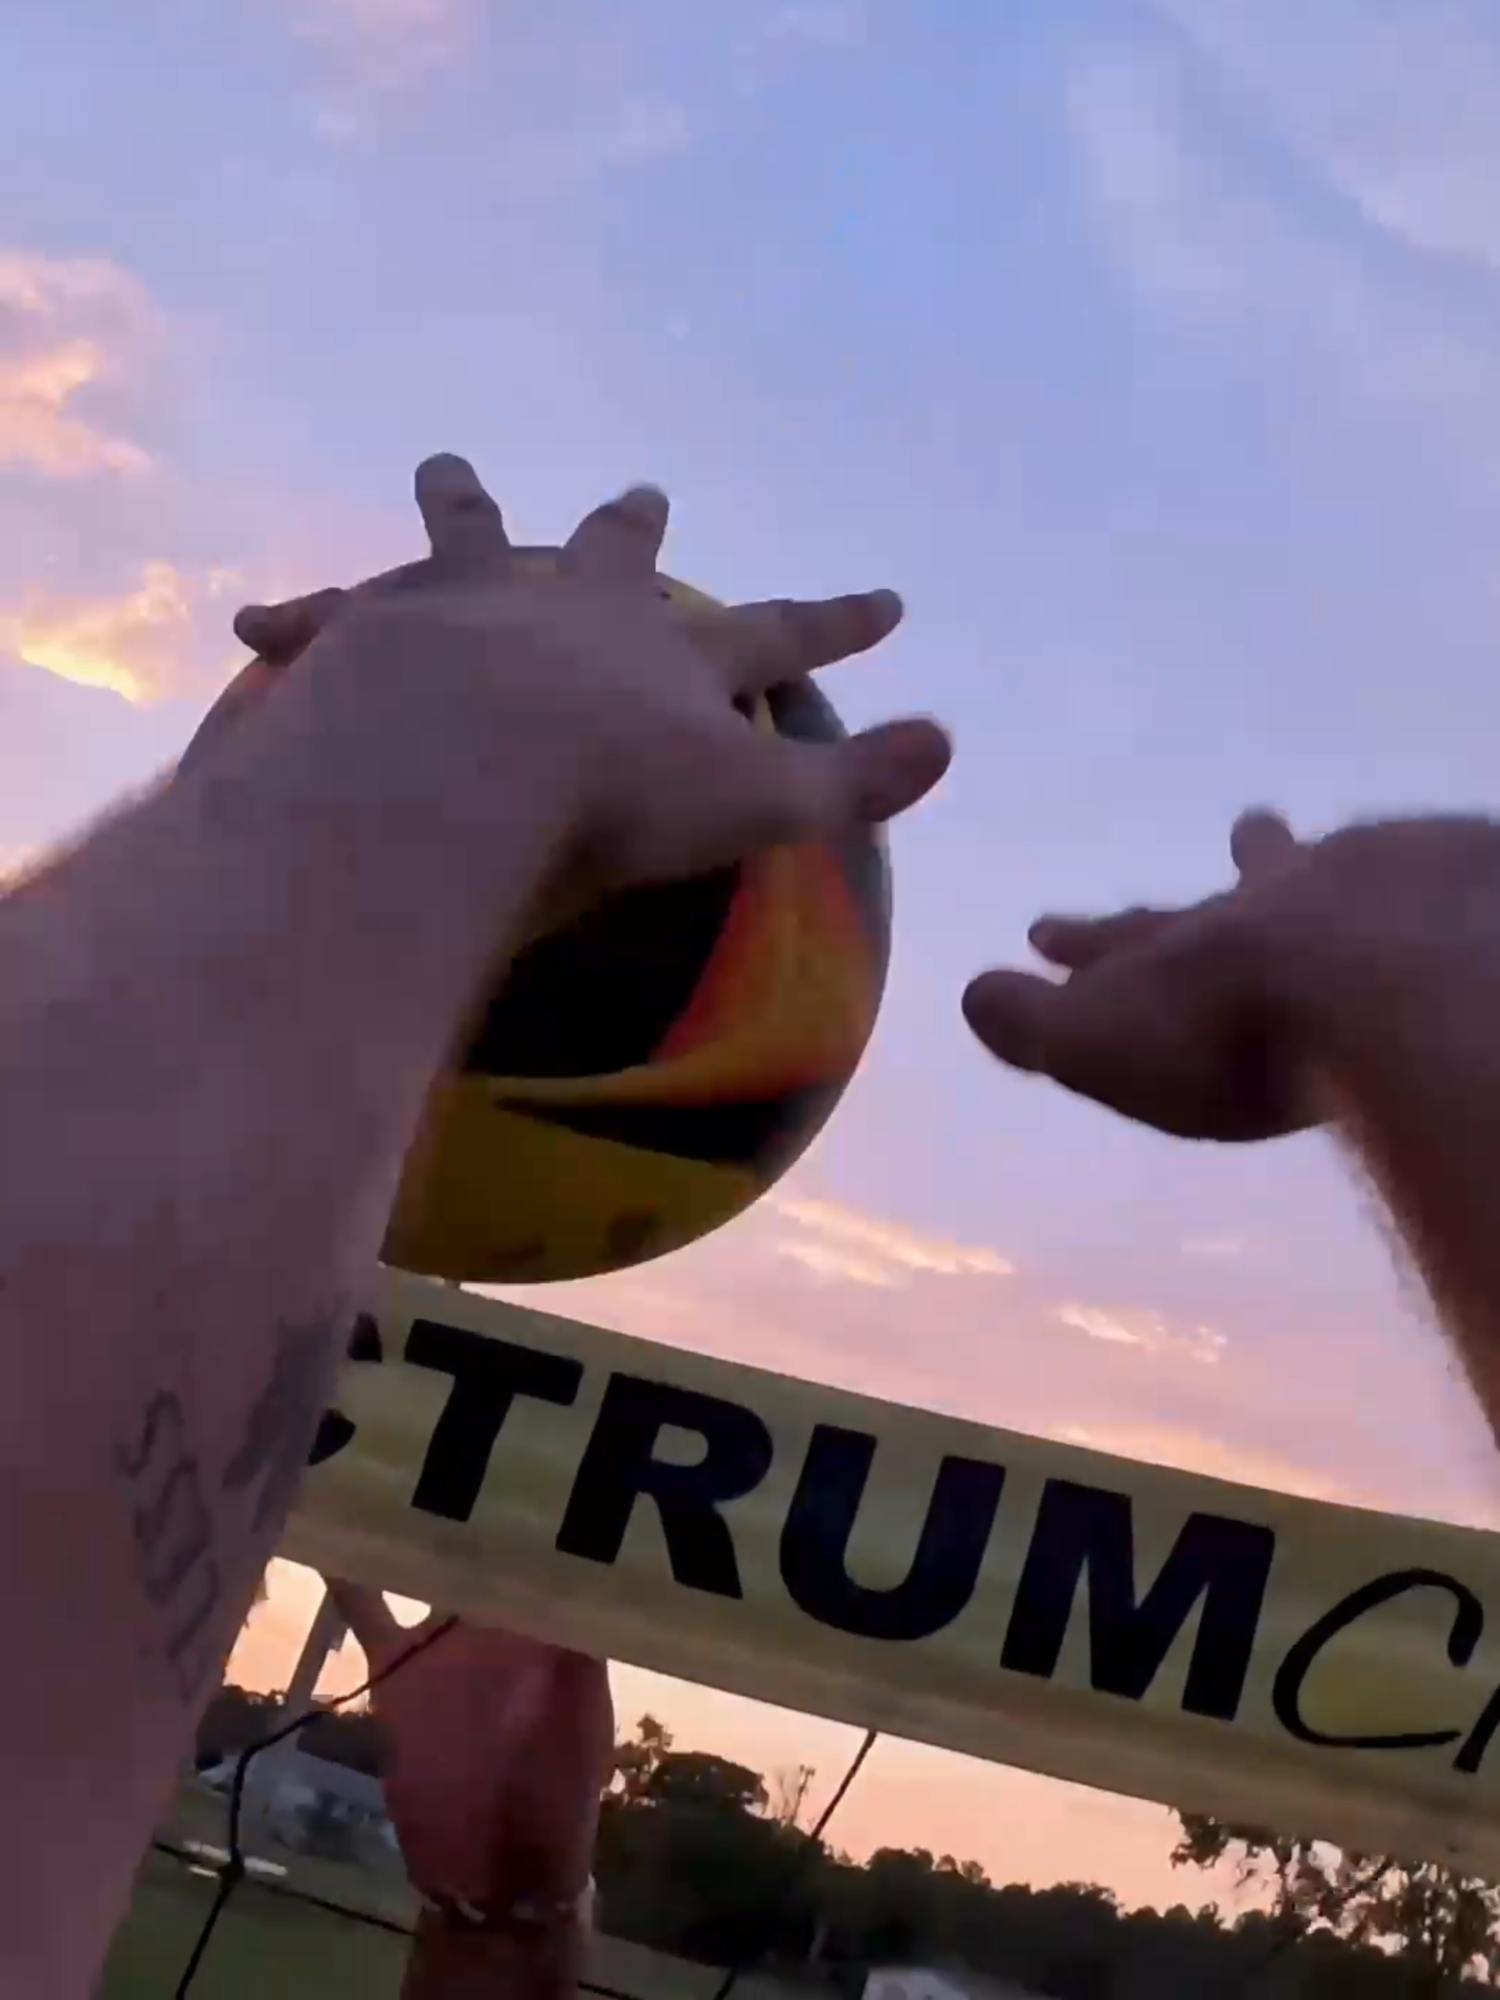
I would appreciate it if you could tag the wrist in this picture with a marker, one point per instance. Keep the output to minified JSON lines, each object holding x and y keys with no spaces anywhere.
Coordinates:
{"x":456,"y":1962}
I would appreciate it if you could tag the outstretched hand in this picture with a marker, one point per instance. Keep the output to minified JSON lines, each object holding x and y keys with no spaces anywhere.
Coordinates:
{"x":1257,"y":1012}
{"x":640,"y":705}
{"x":1161,"y":1014}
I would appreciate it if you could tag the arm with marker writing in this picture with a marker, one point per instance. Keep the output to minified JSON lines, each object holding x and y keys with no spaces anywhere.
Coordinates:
{"x":219,"y":1018}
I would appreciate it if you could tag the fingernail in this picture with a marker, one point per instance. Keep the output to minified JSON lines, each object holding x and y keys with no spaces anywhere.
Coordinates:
{"x":446,"y":466}
{"x":902,"y":763}
{"x":647,"y":502}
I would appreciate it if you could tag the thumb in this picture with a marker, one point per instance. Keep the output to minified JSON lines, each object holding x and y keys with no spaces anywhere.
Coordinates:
{"x":1114,"y":1040}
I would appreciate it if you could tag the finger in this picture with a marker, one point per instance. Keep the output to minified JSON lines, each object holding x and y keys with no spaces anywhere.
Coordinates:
{"x":1260,"y":842}
{"x":1074,"y":943}
{"x":621,"y":539}
{"x":813,"y":791}
{"x":1108,"y":1040}
{"x":892,"y":767}
{"x":368,"y":1617}
{"x":463,"y":523}
{"x":765,"y":645}
{"x":769,"y":791}
{"x":277,"y":633}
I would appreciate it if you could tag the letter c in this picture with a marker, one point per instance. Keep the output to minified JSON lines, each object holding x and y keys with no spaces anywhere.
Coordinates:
{"x":1463,"y":1637}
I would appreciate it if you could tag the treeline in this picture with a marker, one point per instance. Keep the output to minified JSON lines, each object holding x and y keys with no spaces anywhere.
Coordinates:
{"x":701,"y":1857}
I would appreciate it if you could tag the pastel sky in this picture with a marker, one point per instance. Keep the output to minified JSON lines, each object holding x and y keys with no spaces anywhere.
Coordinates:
{"x":1152,"y":350}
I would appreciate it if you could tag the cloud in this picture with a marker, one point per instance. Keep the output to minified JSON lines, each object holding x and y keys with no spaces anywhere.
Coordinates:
{"x":384,"y":44}
{"x":633,"y":131}
{"x":1131,"y":1326}
{"x":1187,"y":1450}
{"x":1208,"y":209}
{"x":839,"y":1243}
{"x":70,"y":330}
{"x":831,"y":24}
{"x":150,"y":641}
{"x":1393,"y":106}
{"x":1214,"y":1249}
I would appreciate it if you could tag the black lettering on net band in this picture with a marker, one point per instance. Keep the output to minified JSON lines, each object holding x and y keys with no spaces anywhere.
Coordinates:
{"x":619,"y":1466}
{"x":1463,"y":1637}
{"x":1083,"y":1530}
{"x":1471,"y":1754}
{"x":815,"y":1541}
{"x":488,"y":1375}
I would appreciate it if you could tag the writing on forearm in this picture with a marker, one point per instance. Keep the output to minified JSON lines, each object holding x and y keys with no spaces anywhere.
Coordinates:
{"x":172,"y":1526}
{"x":283,"y":1422}
{"x":175,"y":1527}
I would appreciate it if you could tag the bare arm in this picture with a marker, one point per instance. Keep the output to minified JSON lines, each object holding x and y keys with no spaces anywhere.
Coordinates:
{"x":1414,"y":1094}
{"x":218,"y":1021}
{"x":1353,"y":982}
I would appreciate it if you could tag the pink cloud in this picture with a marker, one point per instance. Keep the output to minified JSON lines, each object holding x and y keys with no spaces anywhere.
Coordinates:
{"x":150,"y":640}
{"x":378,"y":48}
{"x":71,"y":330}
{"x":835,"y":1241}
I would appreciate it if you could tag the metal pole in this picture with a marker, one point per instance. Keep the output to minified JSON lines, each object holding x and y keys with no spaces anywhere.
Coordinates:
{"x":262,"y":1779}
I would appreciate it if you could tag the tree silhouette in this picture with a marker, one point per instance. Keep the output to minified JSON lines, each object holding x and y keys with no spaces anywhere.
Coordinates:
{"x":699,"y":1857}
{"x":1441,"y":1926}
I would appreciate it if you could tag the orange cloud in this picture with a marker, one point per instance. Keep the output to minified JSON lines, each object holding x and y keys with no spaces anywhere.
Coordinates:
{"x":66,"y":327}
{"x":837,"y":1242}
{"x":1131,"y":1326}
{"x":143,"y":644}
{"x":1188,"y":1450}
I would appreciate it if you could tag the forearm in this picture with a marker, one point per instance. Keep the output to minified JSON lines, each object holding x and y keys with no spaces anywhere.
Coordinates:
{"x":218,"y":1021}
{"x":1414,"y":1092}
{"x":450,"y":1964}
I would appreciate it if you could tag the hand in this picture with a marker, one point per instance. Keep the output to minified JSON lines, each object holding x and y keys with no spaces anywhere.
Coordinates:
{"x":636,"y":702}
{"x":1232,"y":1019}
{"x":496,"y":1751}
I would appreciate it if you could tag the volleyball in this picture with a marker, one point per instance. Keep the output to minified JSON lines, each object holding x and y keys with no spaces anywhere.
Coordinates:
{"x":642,"y":1076}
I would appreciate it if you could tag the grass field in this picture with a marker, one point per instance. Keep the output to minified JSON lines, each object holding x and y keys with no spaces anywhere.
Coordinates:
{"x":266,"y":1945}
{"x":270,"y":1946}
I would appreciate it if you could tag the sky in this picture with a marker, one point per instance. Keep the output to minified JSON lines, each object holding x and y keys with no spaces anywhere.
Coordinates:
{"x":1151,"y":350}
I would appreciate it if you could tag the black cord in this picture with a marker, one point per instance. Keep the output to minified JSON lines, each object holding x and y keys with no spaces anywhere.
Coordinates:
{"x":232,"y":1872}
{"x":809,"y":1848}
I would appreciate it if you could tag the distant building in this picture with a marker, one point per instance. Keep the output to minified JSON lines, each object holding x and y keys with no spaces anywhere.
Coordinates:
{"x":916,"y":1982}
{"x":289,"y":1790}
